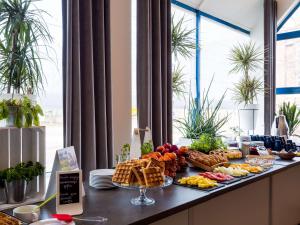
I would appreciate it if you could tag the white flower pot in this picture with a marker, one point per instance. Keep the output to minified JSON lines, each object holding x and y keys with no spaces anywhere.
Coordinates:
{"x":248,"y":116}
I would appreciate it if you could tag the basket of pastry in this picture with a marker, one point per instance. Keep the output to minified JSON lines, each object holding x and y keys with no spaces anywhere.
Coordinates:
{"x":8,"y":220}
{"x":142,"y":173}
{"x":229,"y":153}
{"x":206,"y":162}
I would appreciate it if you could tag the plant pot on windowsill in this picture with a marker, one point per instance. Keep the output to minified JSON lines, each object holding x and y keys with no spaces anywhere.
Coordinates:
{"x":16,"y":180}
{"x":248,"y":116}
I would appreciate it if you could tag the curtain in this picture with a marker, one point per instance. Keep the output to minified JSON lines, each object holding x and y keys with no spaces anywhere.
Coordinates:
{"x":87,"y":82}
{"x":154,"y":68}
{"x":270,"y":30}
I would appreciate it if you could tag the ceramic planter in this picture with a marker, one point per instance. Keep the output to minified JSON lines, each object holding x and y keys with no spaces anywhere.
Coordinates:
{"x":248,"y":116}
{"x":16,"y":191}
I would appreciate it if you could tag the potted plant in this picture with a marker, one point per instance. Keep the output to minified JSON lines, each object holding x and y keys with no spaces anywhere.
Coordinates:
{"x":23,"y":36}
{"x":20,"y":113}
{"x":292,"y":116}
{"x":202,"y":118}
{"x":247,"y":58}
{"x":17,"y":178}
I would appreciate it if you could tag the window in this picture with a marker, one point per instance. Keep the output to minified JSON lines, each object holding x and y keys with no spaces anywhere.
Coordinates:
{"x":211,"y":60}
{"x":214,"y":64}
{"x":287,"y":60}
{"x":187,"y":66}
{"x":51,"y":99}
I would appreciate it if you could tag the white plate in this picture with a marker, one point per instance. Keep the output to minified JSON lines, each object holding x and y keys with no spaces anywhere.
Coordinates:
{"x":51,"y":222}
{"x":102,"y":172}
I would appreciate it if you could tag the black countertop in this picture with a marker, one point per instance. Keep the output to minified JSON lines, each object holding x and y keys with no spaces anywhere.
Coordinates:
{"x":115,"y":204}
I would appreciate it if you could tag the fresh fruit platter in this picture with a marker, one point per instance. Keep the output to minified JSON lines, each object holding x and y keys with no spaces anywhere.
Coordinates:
{"x":230,"y":154}
{"x":249,"y":168}
{"x":198,"y":181}
{"x":206,"y":162}
{"x":173,"y":157}
{"x":235,"y":172}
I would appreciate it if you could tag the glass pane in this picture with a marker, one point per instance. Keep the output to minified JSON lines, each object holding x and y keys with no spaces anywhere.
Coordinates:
{"x":214,"y":62}
{"x":188,"y":66}
{"x":287,"y":63}
{"x":51,"y":99}
{"x":292,"y":24}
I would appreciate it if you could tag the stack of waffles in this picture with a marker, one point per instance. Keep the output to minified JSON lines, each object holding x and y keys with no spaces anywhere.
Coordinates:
{"x":144,"y":172}
{"x":8,"y":220}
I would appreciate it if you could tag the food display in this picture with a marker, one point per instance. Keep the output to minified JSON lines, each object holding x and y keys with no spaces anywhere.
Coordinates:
{"x":249,"y":168}
{"x":8,"y":220}
{"x":265,"y":162}
{"x":236,"y":172}
{"x":173,"y":157}
{"x":217,"y":176}
{"x":230,"y":154}
{"x":144,"y":172}
{"x":199,"y":181}
{"x":204,"y":161}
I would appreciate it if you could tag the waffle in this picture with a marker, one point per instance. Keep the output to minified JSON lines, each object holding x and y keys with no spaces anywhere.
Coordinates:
{"x":155,"y":163}
{"x":139,"y":175}
{"x":124,"y":174}
{"x":153,"y":176}
{"x":8,"y":220}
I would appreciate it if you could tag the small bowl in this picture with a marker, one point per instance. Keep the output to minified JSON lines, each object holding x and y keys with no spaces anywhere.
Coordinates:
{"x":286,"y":156}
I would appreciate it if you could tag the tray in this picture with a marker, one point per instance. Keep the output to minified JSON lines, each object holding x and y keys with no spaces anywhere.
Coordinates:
{"x":205,"y":167}
{"x":235,"y":179}
{"x":198,"y":188}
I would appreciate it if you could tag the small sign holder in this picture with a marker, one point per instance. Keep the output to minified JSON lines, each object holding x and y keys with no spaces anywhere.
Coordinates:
{"x":69,"y":192}
{"x":65,"y":160}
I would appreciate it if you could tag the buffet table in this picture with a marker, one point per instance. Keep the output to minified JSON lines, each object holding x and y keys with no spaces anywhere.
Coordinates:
{"x":269,"y":198}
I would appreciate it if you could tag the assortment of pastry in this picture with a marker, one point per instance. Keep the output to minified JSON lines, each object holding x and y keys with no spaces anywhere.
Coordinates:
{"x":143,"y":172}
{"x":230,"y":154}
{"x":208,"y":160}
{"x":8,"y":220}
{"x":249,"y":168}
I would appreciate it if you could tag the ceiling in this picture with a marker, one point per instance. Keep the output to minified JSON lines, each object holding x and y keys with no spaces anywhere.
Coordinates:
{"x":243,"y":13}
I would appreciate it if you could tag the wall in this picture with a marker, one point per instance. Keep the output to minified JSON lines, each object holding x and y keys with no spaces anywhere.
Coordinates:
{"x":121,"y":71}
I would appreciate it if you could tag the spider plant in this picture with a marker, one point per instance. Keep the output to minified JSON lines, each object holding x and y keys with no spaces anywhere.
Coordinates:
{"x":203,"y":117}
{"x":292,"y":115}
{"x":178,"y":83}
{"x":23,"y":34}
{"x":246,"y":58}
{"x":182,"y":42}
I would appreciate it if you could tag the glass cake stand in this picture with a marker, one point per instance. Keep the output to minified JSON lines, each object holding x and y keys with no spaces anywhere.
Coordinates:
{"x":142,"y":199}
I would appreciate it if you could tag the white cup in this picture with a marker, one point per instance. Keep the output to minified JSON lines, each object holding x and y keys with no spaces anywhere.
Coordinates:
{"x":27,"y":213}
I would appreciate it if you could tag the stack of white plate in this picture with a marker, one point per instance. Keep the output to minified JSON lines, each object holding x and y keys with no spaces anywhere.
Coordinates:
{"x":101,"y":179}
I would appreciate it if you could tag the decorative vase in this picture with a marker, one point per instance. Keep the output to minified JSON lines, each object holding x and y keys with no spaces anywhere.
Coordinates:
{"x":16,"y":191}
{"x":248,"y":116}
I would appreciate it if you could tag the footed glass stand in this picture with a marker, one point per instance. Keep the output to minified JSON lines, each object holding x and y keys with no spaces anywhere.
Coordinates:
{"x":142,"y":199}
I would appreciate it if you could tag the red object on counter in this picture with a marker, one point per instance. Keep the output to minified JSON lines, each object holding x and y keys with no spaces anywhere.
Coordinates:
{"x":63,"y":217}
